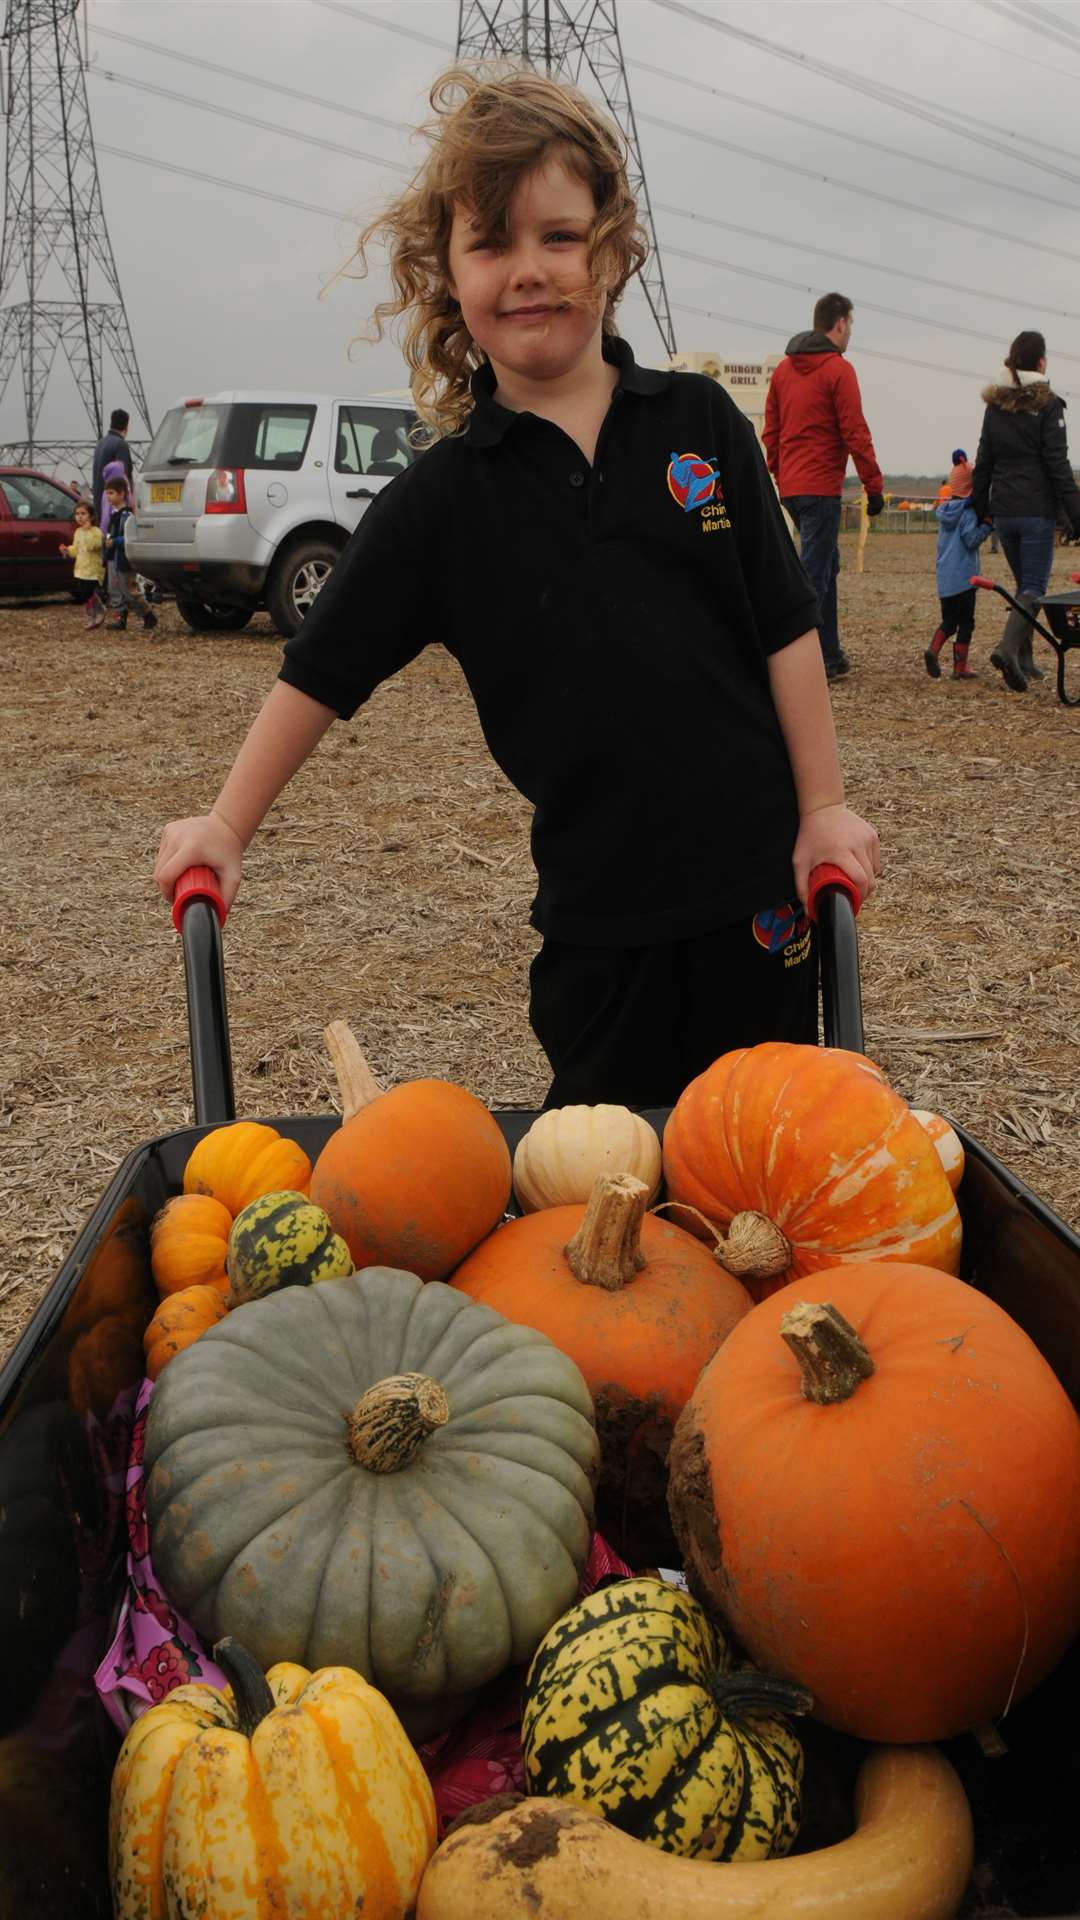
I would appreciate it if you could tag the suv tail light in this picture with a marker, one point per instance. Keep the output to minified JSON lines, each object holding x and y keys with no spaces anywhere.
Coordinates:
{"x":225,"y":491}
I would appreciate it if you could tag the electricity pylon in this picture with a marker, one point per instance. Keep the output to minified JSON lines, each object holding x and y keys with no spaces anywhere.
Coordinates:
{"x":572,"y":39}
{"x":56,"y":257}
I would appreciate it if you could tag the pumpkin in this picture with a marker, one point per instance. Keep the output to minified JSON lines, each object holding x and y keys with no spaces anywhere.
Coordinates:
{"x":909,"y":1858}
{"x":879,"y":1492}
{"x":286,"y":1796}
{"x":188,"y":1242}
{"x":181,"y":1319}
{"x":378,"y":1474}
{"x":640,"y":1306}
{"x":947,"y":1141}
{"x":239,"y":1162}
{"x":807,"y":1157}
{"x":564,"y":1150}
{"x":282,"y":1240}
{"x":633,"y":1709}
{"x":413,"y":1178}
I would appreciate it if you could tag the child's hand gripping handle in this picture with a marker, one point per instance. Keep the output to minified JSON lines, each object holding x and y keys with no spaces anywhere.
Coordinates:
{"x":197,"y":883}
{"x":829,"y":876}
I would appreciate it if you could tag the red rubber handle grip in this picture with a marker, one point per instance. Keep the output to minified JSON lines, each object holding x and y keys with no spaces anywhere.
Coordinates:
{"x":1075,"y":578}
{"x":980,"y":580}
{"x":830,"y":876}
{"x":197,"y":883}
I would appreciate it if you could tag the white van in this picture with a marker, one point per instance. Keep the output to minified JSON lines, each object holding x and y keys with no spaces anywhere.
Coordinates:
{"x":245,"y":500}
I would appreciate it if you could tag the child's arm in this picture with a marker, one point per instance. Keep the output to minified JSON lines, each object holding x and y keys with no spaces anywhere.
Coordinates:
{"x":828,"y":830}
{"x":287,"y":728}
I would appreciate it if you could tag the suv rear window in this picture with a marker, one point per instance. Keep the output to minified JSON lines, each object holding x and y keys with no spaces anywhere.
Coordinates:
{"x":265,"y":434}
{"x":186,"y":438}
{"x":374,"y":440}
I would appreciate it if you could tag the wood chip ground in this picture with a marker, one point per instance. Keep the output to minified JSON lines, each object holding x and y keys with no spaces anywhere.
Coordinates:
{"x":391,"y":887}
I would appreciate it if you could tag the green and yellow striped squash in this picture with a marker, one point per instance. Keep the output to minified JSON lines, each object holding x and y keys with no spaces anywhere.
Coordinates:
{"x":282,"y":1240}
{"x":634,"y":1710}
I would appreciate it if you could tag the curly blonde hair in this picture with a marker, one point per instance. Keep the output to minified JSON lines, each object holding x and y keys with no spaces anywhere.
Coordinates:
{"x":491,"y":127}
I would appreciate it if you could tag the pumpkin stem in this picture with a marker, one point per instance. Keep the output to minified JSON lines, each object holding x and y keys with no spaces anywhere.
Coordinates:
{"x":606,"y":1249}
{"x":752,"y":1249}
{"x":391,"y":1421}
{"x":253,"y":1697}
{"x":357,"y":1084}
{"x":748,"y":1691}
{"x":828,"y":1349}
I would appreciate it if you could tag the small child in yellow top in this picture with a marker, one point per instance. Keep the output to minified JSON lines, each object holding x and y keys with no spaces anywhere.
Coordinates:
{"x":87,"y":551}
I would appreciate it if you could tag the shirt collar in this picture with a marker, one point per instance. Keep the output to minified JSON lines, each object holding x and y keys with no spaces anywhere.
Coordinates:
{"x":489,"y":421}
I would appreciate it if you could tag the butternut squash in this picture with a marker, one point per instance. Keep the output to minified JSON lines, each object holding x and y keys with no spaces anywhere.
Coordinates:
{"x":909,"y":1858}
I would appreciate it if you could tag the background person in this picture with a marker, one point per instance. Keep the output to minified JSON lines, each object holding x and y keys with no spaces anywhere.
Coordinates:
{"x":633,"y":623}
{"x":813,"y":422}
{"x":122,"y":577}
{"x":1024,"y":478}
{"x":112,"y":446}
{"x":959,"y":538}
{"x":87,"y":554}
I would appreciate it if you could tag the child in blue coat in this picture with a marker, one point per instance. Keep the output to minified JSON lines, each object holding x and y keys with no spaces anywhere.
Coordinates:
{"x":959,"y":538}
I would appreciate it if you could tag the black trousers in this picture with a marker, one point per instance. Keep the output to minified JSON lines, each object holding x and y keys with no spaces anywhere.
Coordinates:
{"x":958,"y":615}
{"x":634,"y":1025}
{"x":84,"y":590}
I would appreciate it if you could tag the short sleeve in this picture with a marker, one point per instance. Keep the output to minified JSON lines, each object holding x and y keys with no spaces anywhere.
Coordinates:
{"x":783,"y":601}
{"x":369,"y":619}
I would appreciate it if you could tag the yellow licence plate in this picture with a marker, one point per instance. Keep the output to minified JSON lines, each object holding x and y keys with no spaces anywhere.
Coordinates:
{"x":162,"y":491}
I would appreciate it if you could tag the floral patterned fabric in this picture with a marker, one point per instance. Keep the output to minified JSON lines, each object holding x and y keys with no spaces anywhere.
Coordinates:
{"x":154,"y":1650}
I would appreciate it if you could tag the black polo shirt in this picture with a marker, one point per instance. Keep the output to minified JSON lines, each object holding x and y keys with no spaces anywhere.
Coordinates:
{"x":614,"y":625}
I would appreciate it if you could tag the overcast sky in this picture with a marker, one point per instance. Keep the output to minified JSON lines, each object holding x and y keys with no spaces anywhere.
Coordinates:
{"x":223,"y":288}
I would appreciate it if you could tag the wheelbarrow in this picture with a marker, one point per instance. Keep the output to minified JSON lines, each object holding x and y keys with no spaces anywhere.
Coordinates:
{"x":67,"y":1396}
{"x":1063,"y":612}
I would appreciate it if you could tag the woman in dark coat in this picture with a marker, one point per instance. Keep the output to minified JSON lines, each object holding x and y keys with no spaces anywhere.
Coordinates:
{"x":1024,"y":480}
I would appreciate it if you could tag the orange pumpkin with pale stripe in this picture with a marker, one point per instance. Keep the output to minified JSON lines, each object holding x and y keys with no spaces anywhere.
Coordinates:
{"x":950,"y":1148}
{"x":807,"y":1157}
{"x":287,"y":1796}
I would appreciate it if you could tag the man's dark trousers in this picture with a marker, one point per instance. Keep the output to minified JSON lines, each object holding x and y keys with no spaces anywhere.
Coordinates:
{"x":817,"y":517}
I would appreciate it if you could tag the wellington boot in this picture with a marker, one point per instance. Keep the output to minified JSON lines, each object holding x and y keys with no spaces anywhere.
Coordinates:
{"x":930,"y":657}
{"x":960,"y":668}
{"x":1006,"y":655}
{"x":1027,"y":658}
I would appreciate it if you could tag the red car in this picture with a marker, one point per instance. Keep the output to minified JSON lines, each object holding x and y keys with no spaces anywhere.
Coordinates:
{"x":36,"y":516}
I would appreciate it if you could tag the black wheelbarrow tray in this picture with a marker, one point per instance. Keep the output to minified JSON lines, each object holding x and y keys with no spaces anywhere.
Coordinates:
{"x":66,"y":1395}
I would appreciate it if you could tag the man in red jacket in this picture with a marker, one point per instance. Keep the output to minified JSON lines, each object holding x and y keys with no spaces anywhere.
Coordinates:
{"x":813,"y":421}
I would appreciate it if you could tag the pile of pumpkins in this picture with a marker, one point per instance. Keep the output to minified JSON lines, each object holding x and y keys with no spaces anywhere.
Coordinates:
{"x":387,"y":1418}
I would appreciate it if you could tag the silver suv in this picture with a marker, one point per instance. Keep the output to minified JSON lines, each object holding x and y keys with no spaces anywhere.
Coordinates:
{"x":245,"y":500}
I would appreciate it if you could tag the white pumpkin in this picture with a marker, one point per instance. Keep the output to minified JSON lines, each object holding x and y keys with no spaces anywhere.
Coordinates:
{"x":948,"y":1144}
{"x":558,"y":1160}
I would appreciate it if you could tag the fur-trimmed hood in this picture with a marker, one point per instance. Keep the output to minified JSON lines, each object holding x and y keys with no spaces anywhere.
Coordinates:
{"x":1031,"y":396}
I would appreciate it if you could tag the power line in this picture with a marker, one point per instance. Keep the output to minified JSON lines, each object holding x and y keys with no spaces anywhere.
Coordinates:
{"x":850,"y":186}
{"x":391,"y":26}
{"x":1017,"y":18}
{"x":993,"y":46}
{"x":864,"y":306}
{"x":859,"y":139}
{"x":266,"y":126}
{"x":856,"y":260}
{"x":895,"y":97}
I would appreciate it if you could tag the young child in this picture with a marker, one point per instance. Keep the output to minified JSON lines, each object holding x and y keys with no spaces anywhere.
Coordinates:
{"x":600,"y":547}
{"x":127,"y":593}
{"x":86,"y":551}
{"x":959,"y":539}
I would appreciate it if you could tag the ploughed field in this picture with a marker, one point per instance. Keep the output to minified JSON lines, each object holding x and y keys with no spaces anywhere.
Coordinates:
{"x":391,"y":887}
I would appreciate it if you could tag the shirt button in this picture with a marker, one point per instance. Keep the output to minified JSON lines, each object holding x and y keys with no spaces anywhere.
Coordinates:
{"x":577,"y":479}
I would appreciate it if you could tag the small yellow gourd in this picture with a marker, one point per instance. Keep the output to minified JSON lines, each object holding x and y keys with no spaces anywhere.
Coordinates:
{"x":558,"y":1160}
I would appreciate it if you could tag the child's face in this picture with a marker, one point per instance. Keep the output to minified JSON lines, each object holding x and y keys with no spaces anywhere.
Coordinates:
{"x":512,"y":288}
{"x":82,"y":516}
{"x":115,"y":496}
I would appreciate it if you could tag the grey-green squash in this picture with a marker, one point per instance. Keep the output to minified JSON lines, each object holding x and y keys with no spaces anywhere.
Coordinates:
{"x":634,"y":1710}
{"x":282,"y":1240}
{"x":374,"y":1473}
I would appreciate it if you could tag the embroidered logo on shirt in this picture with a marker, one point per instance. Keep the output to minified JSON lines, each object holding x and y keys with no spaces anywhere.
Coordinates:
{"x":694,"y":483}
{"x":777,"y":927}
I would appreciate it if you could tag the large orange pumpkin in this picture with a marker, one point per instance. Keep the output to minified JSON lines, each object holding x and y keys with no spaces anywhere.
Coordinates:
{"x":878,"y":1484}
{"x":413,"y":1177}
{"x":640,"y":1306}
{"x":808,"y":1157}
